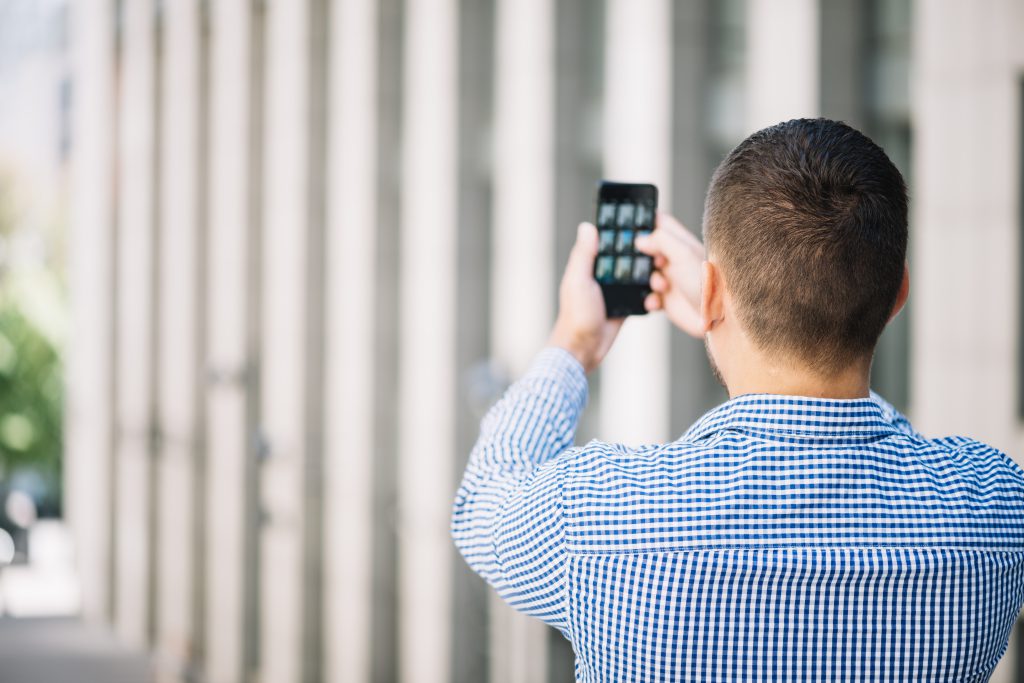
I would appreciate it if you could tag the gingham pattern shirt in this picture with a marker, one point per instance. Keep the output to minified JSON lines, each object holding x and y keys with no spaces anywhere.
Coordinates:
{"x":781,"y":538}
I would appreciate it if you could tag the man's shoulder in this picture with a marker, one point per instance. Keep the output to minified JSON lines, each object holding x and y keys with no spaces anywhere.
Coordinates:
{"x":975,"y":452}
{"x":974,"y":469}
{"x":888,"y":487}
{"x":604,"y":459}
{"x":597,"y":456}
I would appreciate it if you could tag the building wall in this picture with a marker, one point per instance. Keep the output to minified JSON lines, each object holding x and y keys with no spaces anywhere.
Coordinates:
{"x":313,"y":240}
{"x":969,"y":61}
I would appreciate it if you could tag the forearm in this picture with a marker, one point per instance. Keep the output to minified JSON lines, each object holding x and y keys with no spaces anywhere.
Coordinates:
{"x":534,"y":420}
{"x":507,"y":518}
{"x":532,"y":423}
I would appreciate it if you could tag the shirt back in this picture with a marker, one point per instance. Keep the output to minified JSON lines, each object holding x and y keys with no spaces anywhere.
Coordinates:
{"x":780,"y":539}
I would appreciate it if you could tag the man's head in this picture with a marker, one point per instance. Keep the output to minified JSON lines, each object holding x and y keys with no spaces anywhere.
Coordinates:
{"x":805,"y":225}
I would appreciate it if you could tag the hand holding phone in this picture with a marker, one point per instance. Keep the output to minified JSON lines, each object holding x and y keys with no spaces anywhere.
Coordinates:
{"x":582,"y":327}
{"x":625,"y":211}
{"x":678,"y":257}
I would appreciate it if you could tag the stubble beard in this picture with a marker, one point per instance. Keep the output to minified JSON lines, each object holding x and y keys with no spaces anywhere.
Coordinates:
{"x":714,"y":366}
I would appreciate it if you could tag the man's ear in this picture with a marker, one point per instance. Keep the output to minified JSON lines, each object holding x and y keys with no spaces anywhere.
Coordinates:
{"x":711,"y":293}
{"x":902,"y":294}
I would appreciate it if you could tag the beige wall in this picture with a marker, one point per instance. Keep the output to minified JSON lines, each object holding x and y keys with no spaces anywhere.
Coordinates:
{"x":968,"y":60}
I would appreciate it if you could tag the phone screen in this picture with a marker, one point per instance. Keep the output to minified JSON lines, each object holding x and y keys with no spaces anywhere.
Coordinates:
{"x":624,"y":212}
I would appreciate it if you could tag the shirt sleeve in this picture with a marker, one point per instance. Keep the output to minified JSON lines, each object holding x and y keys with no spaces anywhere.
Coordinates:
{"x":895,"y":417}
{"x":507,"y":516}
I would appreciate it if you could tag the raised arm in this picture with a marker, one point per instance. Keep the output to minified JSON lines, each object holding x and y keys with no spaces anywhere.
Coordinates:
{"x":507,"y":515}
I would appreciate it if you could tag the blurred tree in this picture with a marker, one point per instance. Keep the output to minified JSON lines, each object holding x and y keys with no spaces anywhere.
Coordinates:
{"x":30,"y":404}
{"x":31,"y":298}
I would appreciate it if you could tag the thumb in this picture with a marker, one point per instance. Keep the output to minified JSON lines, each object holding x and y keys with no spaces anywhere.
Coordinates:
{"x":581,"y":258}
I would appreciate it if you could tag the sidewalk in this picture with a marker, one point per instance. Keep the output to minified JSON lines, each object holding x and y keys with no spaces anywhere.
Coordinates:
{"x":52,"y":650}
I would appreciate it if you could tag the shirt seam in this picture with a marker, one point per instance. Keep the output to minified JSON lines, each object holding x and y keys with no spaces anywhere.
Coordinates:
{"x":843,"y":433}
{"x":563,"y":520}
{"x":790,"y":546}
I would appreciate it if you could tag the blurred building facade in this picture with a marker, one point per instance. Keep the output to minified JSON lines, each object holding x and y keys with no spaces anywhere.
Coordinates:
{"x":312,"y":240}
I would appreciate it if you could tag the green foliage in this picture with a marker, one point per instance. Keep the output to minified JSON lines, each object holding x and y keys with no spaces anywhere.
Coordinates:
{"x":32,"y":334}
{"x":30,"y":401}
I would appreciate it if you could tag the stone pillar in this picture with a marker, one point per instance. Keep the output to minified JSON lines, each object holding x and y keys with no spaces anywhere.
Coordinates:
{"x":522,"y":254}
{"x":637,"y":143}
{"x":137,"y":302}
{"x":284,"y":342}
{"x":232,"y":339}
{"x":782,"y":61}
{"x":965,"y":104}
{"x":178,"y":327}
{"x":89,"y":409}
{"x":351,"y":348}
{"x":426,"y":354}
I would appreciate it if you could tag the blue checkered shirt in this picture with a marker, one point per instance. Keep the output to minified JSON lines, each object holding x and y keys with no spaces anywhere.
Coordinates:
{"x":781,"y":538}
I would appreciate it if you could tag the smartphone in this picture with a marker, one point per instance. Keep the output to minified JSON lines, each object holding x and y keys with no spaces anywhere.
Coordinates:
{"x":624,"y":211}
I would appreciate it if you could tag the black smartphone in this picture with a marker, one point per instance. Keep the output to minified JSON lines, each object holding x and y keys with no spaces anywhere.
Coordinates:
{"x":624,"y":210}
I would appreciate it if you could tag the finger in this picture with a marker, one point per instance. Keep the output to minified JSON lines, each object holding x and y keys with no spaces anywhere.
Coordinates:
{"x":581,"y":258}
{"x":662,"y":242}
{"x":586,"y":238}
{"x":660,"y":262}
{"x":659,"y":244}
{"x":688,"y":320}
{"x":645,"y":244}
{"x":652,"y":302}
{"x":659,"y":283}
{"x":668,"y":222}
{"x":669,"y":225}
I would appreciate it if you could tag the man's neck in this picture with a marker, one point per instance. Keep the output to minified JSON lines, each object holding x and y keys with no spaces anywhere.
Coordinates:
{"x":795,"y":381}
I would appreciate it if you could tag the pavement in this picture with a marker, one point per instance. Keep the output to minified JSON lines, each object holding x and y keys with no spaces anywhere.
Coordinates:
{"x":58,"y":649}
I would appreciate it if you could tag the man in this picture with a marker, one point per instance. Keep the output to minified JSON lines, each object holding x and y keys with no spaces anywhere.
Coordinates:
{"x":800,"y":531}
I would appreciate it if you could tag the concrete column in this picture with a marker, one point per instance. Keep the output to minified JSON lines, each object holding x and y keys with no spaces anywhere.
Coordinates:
{"x":637,"y":144}
{"x":579,"y":83}
{"x":522,"y":253}
{"x":471,"y":596}
{"x":427,"y":294}
{"x":232,"y":365}
{"x":844,"y":61}
{"x":523,"y":242}
{"x":351,"y":349}
{"x":384,"y":645}
{"x":782,"y":61}
{"x":137,"y":268}
{"x":284,"y":325}
{"x":966,"y":63}
{"x":177,"y":328}
{"x":88,"y":487}
{"x":695,"y":77}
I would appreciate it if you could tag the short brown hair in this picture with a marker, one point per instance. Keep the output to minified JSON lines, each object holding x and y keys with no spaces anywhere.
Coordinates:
{"x":808,"y":221}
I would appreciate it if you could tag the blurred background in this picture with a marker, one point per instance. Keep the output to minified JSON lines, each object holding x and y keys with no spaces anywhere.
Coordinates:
{"x":264,"y":264}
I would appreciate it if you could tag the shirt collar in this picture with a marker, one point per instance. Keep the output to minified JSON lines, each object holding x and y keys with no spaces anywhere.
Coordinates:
{"x":794,"y":415}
